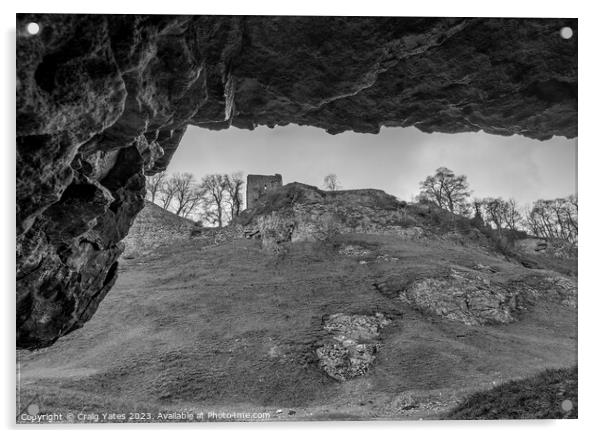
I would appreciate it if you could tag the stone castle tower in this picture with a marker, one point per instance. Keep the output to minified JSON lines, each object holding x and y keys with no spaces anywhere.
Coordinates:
{"x":258,"y":185}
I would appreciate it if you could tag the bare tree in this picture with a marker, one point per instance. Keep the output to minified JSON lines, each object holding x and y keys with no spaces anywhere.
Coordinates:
{"x":194,"y":202}
{"x":167,"y":192}
{"x":494,"y":212}
{"x":180,"y":194}
{"x":154,"y":185}
{"x":554,"y":219}
{"x":477,"y":207}
{"x":215,"y":189}
{"x":331,"y":182}
{"x":511,"y":215}
{"x":502,"y":214}
{"x":187,"y":193}
{"x":234,"y":186}
{"x":572,"y":212}
{"x":447,"y":190}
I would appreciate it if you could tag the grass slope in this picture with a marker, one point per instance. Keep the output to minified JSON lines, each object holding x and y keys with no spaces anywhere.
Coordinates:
{"x":230,"y":327}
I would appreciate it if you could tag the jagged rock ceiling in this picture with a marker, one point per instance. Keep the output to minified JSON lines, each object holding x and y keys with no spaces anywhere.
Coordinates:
{"x":103,"y":100}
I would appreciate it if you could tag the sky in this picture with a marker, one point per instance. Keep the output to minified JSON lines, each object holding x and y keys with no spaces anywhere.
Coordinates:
{"x":396,"y":160}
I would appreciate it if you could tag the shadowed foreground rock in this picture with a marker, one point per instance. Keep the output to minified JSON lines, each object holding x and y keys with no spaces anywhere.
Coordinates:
{"x":103,"y":100}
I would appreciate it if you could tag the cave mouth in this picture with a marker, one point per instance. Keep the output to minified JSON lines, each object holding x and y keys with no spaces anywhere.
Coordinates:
{"x":104,"y":100}
{"x":124,"y":302}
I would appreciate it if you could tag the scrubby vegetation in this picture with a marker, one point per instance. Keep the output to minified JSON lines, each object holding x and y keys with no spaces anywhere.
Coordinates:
{"x":550,"y":394}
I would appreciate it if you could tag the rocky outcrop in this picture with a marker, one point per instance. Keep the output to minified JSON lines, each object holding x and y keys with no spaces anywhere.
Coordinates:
{"x":549,"y":247}
{"x":478,"y":298}
{"x":214,"y":236}
{"x":531,"y":245}
{"x":154,"y":226}
{"x":354,"y":251}
{"x":464,"y":300}
{"x":352,"y":344}
{"x":301,"y":213}
{"x":551,"y":287}
{"x":103,"y":100}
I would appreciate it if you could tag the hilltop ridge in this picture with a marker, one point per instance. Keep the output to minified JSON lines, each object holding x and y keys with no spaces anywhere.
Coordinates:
{"x":300,"y":212}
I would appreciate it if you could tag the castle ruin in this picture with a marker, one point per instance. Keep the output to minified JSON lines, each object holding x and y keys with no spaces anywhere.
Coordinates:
{"x":259,"y":185}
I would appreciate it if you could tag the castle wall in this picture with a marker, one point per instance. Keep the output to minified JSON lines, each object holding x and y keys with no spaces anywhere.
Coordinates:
{"x":259,"y":185}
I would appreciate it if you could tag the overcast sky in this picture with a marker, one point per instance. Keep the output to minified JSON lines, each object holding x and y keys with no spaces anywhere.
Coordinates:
{"x":395,"y":160}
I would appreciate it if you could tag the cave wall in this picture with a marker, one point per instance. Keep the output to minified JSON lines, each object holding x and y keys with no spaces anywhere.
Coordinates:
{"x":103,"y":100}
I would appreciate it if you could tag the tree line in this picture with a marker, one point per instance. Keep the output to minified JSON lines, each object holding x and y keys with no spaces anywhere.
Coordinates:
{"x":218,"y":198}
{"x":215,"y":200}
{"x":545,"y":218}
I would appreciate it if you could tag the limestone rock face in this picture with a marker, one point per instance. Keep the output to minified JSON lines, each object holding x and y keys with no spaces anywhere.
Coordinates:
{"x":154,"y":226}
{"x":553,"y":287}
{"x":552,"y":247}
{"x":103,"y":100}
{"x":213,"y":236}
{"x":351,"y":348}
{"x":302,"y":213}
{"x":478,"y":297}
{"x":460,"y":299}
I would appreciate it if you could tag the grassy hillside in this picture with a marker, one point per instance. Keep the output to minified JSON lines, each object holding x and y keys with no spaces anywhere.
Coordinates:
{"x":232,"y":327}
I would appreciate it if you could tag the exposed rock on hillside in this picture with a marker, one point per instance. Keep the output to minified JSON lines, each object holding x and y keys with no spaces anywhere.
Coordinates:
{"x":532,"y":245}
{"x":154,"y":226}
{"x":477,"y":298}
{"x":551,"y":287}
{"x":352,"y":346}
{"x":354,"y":251}
{"x":472,"y":301}
{"x":211,"y":236}
{"x":551,"y":247}
{"x":103,"y":100}
{"x":302,"y":213}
